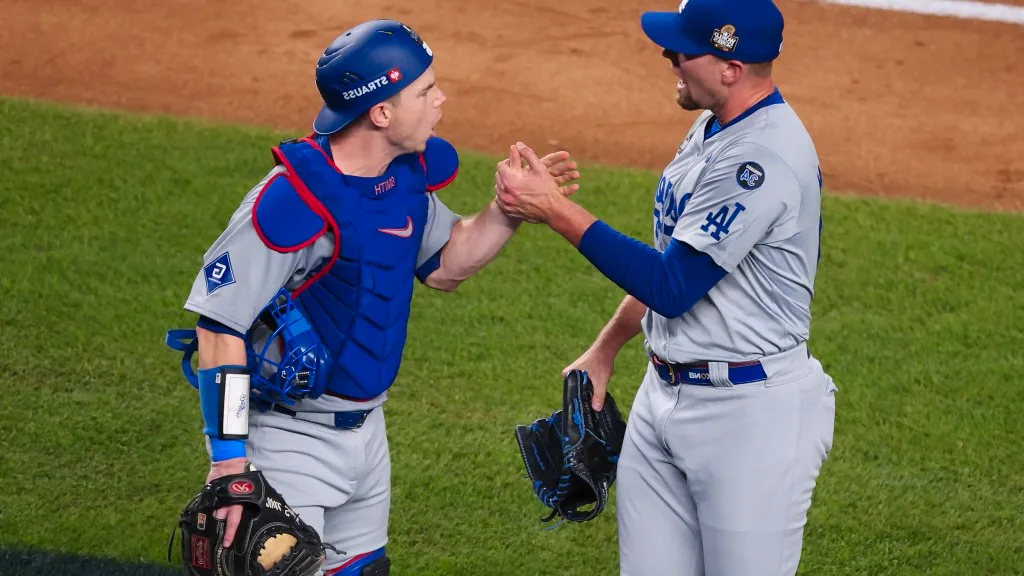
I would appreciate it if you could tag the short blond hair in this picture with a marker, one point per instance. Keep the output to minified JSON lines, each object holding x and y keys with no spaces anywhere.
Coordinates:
{"x":760,"y":69}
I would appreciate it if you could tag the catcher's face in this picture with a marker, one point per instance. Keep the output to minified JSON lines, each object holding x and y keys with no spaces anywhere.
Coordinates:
{"x":416,"y":111}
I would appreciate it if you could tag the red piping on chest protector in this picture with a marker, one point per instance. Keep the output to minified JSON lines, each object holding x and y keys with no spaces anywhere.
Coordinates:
{"x":327,"y":157}
{"x":259,"y":230}
{"x":443,"y":184}
{"x":317,"y":207}
{"x":435,"y":188}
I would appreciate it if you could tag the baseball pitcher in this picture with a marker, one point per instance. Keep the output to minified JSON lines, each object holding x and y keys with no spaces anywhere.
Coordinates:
{"x":734,"y":417}
{"x":307,"y":293}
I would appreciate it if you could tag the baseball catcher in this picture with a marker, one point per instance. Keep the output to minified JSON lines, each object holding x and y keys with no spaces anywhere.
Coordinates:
{"x":571,"y":455}
{"x":271,"y":539}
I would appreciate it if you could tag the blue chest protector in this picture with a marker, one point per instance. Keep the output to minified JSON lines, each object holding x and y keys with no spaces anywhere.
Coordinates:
{"x":358,"y":301}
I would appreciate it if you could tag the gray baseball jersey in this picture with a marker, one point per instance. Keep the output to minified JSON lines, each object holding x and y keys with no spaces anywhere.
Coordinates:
{"x":749,"y":197}
{"x":233,"y":290}
{"x":338,"y":481}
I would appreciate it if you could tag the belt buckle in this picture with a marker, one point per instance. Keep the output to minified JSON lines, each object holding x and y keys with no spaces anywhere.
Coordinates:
{"x":673,"y":374}
{"x":669,"y":368}
{"x":345,"y":420}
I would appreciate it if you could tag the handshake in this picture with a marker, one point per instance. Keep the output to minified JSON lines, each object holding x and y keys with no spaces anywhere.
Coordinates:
{"x":534,"y":189}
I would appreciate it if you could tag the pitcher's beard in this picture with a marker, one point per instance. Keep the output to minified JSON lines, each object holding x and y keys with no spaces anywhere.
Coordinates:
{"x":687,"y":103}
{"x":684,"y":99}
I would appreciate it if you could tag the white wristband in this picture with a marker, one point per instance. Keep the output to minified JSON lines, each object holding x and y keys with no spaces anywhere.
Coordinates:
{"x":234,"y":421}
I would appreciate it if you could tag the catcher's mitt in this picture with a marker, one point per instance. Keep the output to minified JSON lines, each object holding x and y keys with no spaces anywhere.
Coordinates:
{"x":271,"y":539}
{"x":571,"y":456}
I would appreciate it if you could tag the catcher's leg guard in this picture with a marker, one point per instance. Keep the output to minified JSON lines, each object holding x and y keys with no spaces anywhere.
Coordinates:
{"x":374,"y":563}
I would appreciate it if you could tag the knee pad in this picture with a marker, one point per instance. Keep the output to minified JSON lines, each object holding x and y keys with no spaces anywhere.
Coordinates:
{"x":374,"y":563}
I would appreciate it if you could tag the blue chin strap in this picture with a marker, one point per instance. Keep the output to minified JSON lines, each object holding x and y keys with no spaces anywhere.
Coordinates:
{"x":286,"y":360}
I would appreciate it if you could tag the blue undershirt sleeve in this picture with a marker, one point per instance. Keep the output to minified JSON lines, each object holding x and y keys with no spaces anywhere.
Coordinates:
{"x":214,"y":326}
{"x":668,"y":282}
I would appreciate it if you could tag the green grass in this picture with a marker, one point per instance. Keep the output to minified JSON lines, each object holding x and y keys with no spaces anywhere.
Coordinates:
{"x":918,"y":317}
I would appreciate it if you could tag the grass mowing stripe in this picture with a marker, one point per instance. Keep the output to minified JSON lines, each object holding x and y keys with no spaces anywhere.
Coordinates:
{"x":918,"y":317}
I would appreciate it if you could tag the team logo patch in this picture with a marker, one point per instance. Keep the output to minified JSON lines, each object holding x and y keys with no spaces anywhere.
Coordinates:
{"x":394,"y":75}
{"x":718,"y":223}
{"x":201,"y":521}
{"x":241,"y":487}
{"x":725,"y":38}
{"x":750,"y":175}
{"x":219,"y":273}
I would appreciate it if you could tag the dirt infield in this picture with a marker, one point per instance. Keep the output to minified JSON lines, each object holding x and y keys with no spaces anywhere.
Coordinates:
{"x":899,"y":104}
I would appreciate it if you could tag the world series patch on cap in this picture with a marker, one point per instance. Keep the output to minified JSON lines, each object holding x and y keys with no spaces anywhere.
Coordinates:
{"x":725,"y":38}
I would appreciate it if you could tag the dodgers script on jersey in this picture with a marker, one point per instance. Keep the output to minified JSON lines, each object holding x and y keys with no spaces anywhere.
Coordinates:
{"x":749,"y":197}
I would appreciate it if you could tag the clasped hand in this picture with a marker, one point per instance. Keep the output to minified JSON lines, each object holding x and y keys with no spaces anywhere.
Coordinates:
{"x":532,"y":191}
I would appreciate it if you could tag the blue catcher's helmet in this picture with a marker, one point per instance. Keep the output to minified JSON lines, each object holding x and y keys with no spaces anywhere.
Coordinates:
{"x":287,"y":361}
{"x":365,"y":65}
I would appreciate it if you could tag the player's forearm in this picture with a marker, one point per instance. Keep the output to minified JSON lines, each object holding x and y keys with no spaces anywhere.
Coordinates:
{"x":623,"y":326}
{"x":223,"y":401}
{"x":216,"y":349}
{"x":570,"y":220}
{"x":474,"y":242}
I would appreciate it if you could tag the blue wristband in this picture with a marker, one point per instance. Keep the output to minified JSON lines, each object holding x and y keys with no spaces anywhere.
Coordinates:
{"x":221,"y":450}
{"x":211,"y":403}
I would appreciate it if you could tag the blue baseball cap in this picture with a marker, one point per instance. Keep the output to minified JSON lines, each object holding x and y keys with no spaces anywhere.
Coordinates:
{"x":744,"y":30}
